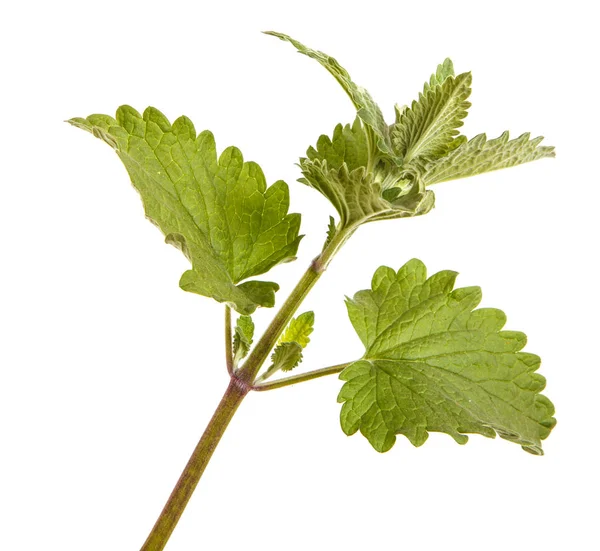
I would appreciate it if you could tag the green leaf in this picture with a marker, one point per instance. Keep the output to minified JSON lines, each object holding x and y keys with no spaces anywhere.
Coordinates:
{"x":433,"y":363}
{"x":366,"y":108}
{"x":481,"y":155}
{"x":262,"y":293}
{"x":359,"y":198}
{"x":443,"y":71}
{"x":337,"y":168}
{"x":217,"y":210}
{"x":353,"y":194}
{"x":288,"y":352}
{"x":331,"y":229}
{"x":428,"y":128}
{"x":299,"y":329}
{"x":242,"y":337}
{"x":398,"y":112}
{"x":285,"y":357}
{"x":348,"y":145}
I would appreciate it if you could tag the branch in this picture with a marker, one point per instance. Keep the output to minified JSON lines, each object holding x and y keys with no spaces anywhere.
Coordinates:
{"x":193,"y":470}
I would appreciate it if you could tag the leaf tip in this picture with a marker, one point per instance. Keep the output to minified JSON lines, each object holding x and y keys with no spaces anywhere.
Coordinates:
{"x":79,"y":122}
{"x":281,"y":36}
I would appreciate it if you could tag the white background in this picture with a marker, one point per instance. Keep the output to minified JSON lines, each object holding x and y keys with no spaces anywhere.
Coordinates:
{"x":109,"y":372}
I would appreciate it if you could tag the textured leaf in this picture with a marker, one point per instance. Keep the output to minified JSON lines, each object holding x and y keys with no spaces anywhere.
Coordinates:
{"x":481,"y":155}
{"x":299,"y":329}
{"x":261,"y":293}
{"x":398,"y":112}
{"x":384,"y":172}
{"x":433,"y":363}
{"x":347,"y":145}
{"x":285,"y":357}
{"x":242,"y":337}
{"x":337,"y":168}
{"x":358,"y":198}
{"x":443,"y":71}
{"x":366,"y":108}
{"x":353,"y":194}
{"x":430,"y":125}
{"x":288,"y":352}
{"x":331,"y":229}
{"x":217,"y":210}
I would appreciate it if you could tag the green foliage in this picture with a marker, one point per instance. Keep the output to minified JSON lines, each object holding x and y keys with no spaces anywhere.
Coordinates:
{"x":299,"y":329}
{"x":366,"y":108}
{"x":217,"y":210}
{"x":348,"y":146}
{"x":371,"y":171}
{"x":242,"y":337}
{"x":285,"y":357}
{"x":481,"y":155}
{"x":331,"y":229}
{"x":427,"y":129}
{"x":359,"y":199}
{"x":338,"y":168}
{"x":288,"y":352}
{"x":434,"y":363}
{"x":443,"y":71}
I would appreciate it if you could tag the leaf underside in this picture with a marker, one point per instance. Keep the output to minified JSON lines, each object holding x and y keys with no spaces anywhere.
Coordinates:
{"x":429,"y":127}
{"x":366,"y":108}
{"x":337,"y":168}
{"x":480,"y":155}
{"x":348,"y":145}
{"x":217,"y":210}
{"x":286,"y":356}
{"x":434,"y":363}
{"x":242,"y":337}
{"x":443,"y":71}
{"x":371,"y":171}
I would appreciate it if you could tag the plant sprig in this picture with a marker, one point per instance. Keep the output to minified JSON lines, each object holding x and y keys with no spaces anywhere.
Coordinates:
{"x":433,"y":361}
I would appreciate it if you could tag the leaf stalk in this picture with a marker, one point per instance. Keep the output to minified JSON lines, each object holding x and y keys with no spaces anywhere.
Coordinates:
{"x":301,"y":377}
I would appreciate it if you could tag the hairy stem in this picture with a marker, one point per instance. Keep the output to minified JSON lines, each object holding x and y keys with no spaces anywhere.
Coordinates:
{"x":301,"y":377}
{"x":228,"y":341}
{"x":240,"y":385}
{"x":168,"y":519}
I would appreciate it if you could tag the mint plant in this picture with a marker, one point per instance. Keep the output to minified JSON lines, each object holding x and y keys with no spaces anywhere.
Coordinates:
{"x":433,"y":361}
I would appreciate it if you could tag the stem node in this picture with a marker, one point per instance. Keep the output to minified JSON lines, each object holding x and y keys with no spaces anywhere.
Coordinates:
{"x":317,"y":265}
{"x":240,"y":383}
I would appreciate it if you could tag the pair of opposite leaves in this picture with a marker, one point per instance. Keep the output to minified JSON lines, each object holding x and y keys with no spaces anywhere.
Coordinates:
{"x":432,"y":362}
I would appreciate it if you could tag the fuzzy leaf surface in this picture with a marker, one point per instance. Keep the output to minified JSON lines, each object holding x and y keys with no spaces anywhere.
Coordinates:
{"x":217,"y":210}
{"x":358,"y":198}
{"x":428,"y":128}
{"x":480,"y":155}
{"x":443,"y":71}
{"x":242,"y":337}
{"x":286,"y":356}
{"x":366,"y":108}
{"x":331,"y":229}
{"x":435,"y":363}
{"x":299,"y":329}
{"x":348,"y":145}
